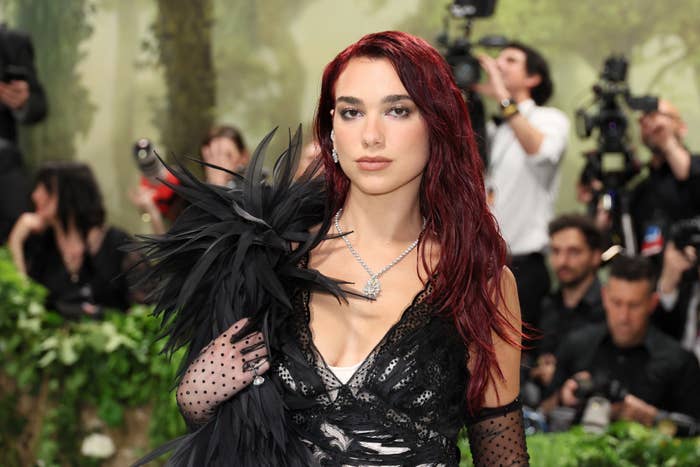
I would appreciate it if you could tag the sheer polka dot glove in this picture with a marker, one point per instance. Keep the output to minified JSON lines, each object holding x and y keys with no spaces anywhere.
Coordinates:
{"x":497,"y":436}
{"x":222,"y":370}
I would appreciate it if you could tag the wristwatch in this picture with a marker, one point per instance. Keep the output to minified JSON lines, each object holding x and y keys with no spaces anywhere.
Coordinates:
{"x":508,"y":108}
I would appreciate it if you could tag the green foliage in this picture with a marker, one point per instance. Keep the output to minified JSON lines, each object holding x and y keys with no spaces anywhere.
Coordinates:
{"x":110,"y":365}
{"x":624,"y":444}
{"x":57,"y":29}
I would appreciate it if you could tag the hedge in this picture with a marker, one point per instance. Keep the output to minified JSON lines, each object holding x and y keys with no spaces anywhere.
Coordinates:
{"x":62,"y":381}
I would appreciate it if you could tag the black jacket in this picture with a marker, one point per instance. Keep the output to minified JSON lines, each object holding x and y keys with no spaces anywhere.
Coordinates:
{"x":658,"y":371}
{"x":673,"y":321}
{"x":17,"y":52}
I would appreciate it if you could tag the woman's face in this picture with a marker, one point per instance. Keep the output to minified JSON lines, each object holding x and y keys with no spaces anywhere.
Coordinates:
{"x":380,"y":135}
{"x":45,"y":203}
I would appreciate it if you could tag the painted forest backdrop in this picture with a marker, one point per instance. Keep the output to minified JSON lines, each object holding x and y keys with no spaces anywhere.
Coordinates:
{"x":118,"y":70}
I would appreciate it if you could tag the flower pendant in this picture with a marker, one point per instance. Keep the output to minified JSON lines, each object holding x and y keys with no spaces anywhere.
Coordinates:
{"x":372,"y":288}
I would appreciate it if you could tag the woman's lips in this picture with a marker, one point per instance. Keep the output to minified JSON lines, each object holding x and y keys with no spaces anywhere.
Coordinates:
{"x":373,"y":163}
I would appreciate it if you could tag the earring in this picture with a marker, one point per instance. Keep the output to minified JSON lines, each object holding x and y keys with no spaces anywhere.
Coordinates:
{"x":334,"y":153}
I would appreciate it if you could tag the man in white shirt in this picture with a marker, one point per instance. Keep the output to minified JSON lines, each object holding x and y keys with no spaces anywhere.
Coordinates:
{"x":524,"y":157}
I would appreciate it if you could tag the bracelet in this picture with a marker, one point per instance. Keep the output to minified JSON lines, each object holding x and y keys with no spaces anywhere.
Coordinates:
{"x":509,"y":111}
{"x":508,"y":108}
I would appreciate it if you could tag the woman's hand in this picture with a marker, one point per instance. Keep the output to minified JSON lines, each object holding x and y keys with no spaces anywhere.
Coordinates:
{"x":221,"y":371}
{"x":27,"y":224}
{"x":142,"y":198}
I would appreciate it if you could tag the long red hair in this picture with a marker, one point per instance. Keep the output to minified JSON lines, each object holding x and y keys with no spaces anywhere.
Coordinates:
{"x":452,"y":195}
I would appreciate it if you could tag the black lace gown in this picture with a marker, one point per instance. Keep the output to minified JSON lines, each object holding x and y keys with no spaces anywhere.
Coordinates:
{"x":227,"y":257}
{"x":404,"y":405}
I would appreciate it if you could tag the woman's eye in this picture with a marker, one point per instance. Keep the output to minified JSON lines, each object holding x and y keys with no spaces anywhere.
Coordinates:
{"x":348,"y":114}
{"x":400,"y":112}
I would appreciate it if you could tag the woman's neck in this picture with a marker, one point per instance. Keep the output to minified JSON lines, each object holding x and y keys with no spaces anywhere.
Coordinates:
{"x":70,"y":232}
{"x":71,"y":236}
{"x":383,"y":219}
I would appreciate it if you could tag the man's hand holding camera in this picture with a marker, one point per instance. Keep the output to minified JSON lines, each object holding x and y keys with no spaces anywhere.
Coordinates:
{"x":662,"y":131}
{"x":633,"y":409}
{"x":14,"y":94}
{"x":676,"y":262}
{"x":630,"y":408}
{"x":567,"y":393}
{"x":494,"y":87}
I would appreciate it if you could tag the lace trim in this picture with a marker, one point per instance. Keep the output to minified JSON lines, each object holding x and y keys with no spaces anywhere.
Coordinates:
{"x":393,"y":334}
{"x":490,"y":412}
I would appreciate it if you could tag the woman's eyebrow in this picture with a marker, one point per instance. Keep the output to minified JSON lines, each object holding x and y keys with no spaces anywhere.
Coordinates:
{"x":349,"y":100}
{"x":395,"y":98}
{"x":386,"y":100}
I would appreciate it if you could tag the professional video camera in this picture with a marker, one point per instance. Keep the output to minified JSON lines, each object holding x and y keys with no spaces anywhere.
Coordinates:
{"x":465,"y":67}
{"x":612,"y":163}
{"x":153,"y":174}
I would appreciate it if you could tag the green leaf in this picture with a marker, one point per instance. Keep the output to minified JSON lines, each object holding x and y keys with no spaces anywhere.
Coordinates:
{"x":67,"y":351}
{"x":48,"y":358}
{"x":110,"y":411}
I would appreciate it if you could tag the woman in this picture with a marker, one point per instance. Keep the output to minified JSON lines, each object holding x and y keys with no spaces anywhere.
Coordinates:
{"x":224,"y":147}
{"x":430,"y":338}
{"x":65,"y":245}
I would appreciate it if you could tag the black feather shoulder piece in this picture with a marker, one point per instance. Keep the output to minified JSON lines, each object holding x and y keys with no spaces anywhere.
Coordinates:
{"x":234,"y":253}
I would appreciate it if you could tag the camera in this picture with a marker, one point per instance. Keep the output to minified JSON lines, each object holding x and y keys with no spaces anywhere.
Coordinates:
{"x":612,"y":164}
{"x":613,"y":161}
{"x":599,"y":393}
{"x":146,"y":158}
{"x":10,"y":73}
{"x":465,"y":67}
{"x":685,"y":233}
{"x":153,"y":174}
{"x":610,"y":389}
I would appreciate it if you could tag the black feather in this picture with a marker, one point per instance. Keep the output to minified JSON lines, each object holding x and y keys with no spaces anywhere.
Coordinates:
{"x":230,"y":255}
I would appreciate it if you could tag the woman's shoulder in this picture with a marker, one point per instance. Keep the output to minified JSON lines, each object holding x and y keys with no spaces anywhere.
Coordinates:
{"x":112,"y":241}
{"x":116,"y":234}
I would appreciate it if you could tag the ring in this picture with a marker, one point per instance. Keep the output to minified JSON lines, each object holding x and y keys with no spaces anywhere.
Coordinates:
{"x":258,"y":380}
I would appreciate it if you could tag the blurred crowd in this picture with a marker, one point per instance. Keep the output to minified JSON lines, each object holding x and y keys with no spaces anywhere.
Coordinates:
{"x":628,"y":347}
{"x":621,"y":325}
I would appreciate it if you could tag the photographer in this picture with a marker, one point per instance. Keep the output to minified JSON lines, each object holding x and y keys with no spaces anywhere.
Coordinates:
{"x":21,"y":101}
{"x":525,"y":154}
{"x":158,"y":203}
{"x":679,"y":294}
{"x":656,"y":373}
{"x":670,"y":192}
{"x":575,"y":256}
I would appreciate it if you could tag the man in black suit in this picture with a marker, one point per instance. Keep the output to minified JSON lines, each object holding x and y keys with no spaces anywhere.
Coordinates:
{"x":22,"y":100}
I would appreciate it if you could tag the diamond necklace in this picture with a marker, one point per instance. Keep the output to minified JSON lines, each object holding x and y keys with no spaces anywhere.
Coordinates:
{"x":373,"y":287}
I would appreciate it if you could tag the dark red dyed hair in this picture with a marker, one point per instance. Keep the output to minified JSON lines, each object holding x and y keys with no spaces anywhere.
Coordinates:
{"x":452,"y":194}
